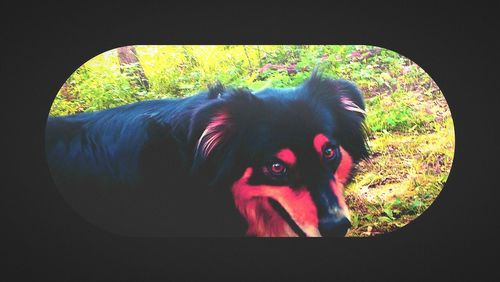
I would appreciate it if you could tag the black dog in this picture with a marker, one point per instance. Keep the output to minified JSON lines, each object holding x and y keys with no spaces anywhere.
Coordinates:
{"x":225,"y":162}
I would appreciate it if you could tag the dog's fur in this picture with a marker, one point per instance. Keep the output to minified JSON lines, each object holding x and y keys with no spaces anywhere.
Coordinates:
{"x":211,"y":164}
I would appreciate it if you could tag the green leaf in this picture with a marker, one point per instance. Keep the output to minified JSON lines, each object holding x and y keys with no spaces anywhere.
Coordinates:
{"x":354,"y":220}
{"x":389,"y":213}
{"x":384,"y":219}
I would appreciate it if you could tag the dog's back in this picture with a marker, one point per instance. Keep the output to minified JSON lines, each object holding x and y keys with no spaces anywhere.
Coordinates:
{"x":122,"y":168}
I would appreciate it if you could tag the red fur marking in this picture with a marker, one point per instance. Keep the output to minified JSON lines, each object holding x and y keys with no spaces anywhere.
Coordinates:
{"x":287,"y":156}
{"x":344,"y":168}
{"x":341,"y":175}
{"x":342,"y":172}
{"x":337,"y":189}
{"x":319,"y":141}
{"x":212,"y":135}
{"x":263,"y":220}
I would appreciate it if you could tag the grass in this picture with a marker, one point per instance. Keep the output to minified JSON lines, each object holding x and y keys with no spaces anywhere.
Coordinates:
{"x":410,"y":126}
{"x":407,"y":168}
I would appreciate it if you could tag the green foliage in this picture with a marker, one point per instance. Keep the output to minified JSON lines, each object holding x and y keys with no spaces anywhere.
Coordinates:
{"x":397,"y":112}
{"x":97,"y":85}
{"x":386,"y":78}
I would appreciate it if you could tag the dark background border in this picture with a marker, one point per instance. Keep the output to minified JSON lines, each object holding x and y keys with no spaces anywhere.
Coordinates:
{"x":455,"y":239}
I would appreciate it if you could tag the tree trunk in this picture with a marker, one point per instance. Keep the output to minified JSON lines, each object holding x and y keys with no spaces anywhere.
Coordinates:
{"x":130,"y":65}
{"x":65,"y":92}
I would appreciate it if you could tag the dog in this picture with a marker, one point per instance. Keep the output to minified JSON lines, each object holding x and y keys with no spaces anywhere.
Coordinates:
{"x":224,"y":162}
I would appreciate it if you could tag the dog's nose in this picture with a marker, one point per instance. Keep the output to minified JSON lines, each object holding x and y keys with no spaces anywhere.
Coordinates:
{"x":334,"y":228}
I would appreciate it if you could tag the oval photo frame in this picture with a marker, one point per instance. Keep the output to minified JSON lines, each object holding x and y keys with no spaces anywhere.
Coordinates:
{"x":183,"y":141}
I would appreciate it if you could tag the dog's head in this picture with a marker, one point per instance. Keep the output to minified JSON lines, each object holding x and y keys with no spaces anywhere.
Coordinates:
{"x":285,"y":153}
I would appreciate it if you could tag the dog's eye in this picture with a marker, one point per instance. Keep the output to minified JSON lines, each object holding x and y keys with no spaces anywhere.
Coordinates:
{"x":277,"y":168}
{"x":329,"y":152}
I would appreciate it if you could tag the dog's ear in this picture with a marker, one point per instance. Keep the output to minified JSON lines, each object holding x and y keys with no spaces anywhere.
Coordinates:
{"x":346,"y":103}
{"x":216,"y":130}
